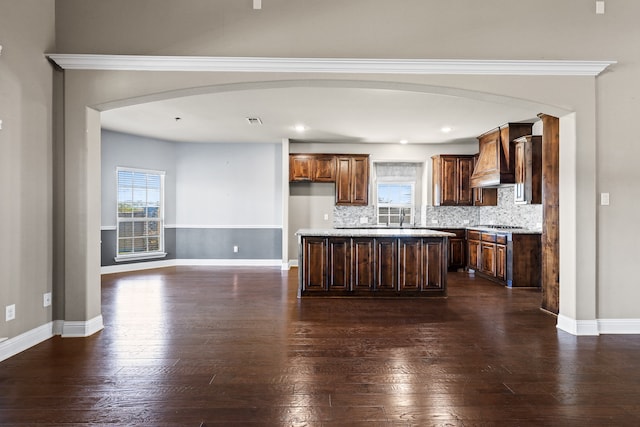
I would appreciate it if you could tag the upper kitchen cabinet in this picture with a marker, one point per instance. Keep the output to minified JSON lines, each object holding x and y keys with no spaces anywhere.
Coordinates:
{"x":528,"y":170}
{"x":312,"y":167}
{"x":496,"y":160}
{"x":301,"y":167}
{"x":352,"y":180}
{"x":325,"y":168}
{"x":451,"y":180}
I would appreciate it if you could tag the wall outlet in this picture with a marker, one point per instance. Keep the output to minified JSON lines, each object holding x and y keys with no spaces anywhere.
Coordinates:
{"x":326,"y":217}
{"x":235,"y":249}
{"x":10,"y":312}
{"x":434,"y":221}
{"x":604,"y":199}
{"x":46,"y":299}
{"x":364,"y":220}
{"x":466,"y":221}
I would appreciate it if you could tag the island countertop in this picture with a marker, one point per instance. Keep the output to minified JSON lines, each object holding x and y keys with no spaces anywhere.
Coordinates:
{"x":372,"y":232}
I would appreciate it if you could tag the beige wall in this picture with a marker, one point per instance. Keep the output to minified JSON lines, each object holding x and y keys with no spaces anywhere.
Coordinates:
{"x":604,"y":154}
{"x":26,"y":32}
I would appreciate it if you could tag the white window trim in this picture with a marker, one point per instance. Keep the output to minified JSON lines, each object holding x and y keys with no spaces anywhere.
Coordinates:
{"x":411,"y":205}
{"x":141,"y":255}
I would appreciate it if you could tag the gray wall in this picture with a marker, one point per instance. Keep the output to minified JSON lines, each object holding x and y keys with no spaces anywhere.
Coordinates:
{"x":26,"y":163}
{"x":217,"y":196}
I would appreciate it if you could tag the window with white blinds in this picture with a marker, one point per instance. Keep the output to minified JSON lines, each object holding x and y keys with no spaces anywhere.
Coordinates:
{"x":395,"y":203}
{"x":140,"y":225}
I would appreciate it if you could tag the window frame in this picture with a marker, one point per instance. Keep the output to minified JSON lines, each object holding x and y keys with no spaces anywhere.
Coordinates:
{"x":388,"y":215}
{"x":160,"y":253}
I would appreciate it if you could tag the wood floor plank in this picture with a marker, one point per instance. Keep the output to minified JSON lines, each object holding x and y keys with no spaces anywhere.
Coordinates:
{"x":215,"y":346}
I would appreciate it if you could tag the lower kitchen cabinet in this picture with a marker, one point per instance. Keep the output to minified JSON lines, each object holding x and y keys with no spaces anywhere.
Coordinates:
{"x":314,"y":270}
{"x":339,"y":263}
{"x":512,"y":259}
{"x":362,"y":264}
{"x":386,"y":261}
{"x":457,"y":255}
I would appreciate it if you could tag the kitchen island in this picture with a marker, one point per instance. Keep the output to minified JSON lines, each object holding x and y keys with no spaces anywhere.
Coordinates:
{"x":372,"y":262}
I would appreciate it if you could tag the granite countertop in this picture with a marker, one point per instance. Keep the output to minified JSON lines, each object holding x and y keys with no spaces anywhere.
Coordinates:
{"x":494,"y":228}
{"x":373,"y":232}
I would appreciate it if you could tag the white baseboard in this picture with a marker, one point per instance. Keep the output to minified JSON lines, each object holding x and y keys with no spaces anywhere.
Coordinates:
{"x":619,"y":326}
{"x":12,"y":346}
{"x":81,"y":329}
{"x":123,"y":268}
{"x":577,"y":327}
{"x":293,"y":263}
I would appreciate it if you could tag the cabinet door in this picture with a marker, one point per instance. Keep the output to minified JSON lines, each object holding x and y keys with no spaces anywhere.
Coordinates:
{"x":360,"y":180}
{"x":457,"y":257}
{"x":464,"y":171}
{"x":488,"y":255}
{"x":501,"y":262}
{"x":448,"y":181}
{"x":434,"y":276}
{"x":363,"y":265}
{"x":386,"y":261}
{"x":339,"y":263}
{"x":474,"y":254}
{"x":343,"y":180}
{"x":410,"y":264}
{"x":300,"y":167}
{"x":315,"y":265}
{"x":325,"y":168}
{"x":519,"y":195}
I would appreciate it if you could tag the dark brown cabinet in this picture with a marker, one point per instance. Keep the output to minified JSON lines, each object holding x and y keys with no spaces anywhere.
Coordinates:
{"x":339,"y":263}
{"x":312,"y":167}
{"x":386,"y":257}
{"x":496,"y":159}
{"x":473,"y":250}
{"x":315,"y":252}
{"x":352,"y":180}
{"x":350,"y":172}
{"x":457,"y":255}
{"x":507,"y":258}
{"x":301,"y":167}
{"x":325,"y":168}
{"x":370,"y":266}
{"x":451,"y":180}
{"x":528,"y":170}
{"x":363,"y":266}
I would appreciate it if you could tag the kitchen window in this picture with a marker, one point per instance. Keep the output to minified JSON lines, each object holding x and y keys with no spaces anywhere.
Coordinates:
{"x":396,"y":203}
{"x":140,"y":223}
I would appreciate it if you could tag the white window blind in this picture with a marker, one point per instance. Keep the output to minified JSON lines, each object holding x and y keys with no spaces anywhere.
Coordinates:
{"x":395,"y":202}
{"x":140,"y":224}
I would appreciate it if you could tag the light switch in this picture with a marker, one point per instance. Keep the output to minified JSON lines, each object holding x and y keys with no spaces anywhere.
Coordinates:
{"x":600,"y":7}
{"x":604,"y":199}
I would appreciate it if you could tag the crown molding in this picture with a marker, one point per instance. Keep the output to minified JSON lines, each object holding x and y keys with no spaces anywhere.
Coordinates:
{"x":329,"y":65}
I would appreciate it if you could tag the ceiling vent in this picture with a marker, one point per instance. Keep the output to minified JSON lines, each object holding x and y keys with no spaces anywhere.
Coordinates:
{"x":254,"y":120}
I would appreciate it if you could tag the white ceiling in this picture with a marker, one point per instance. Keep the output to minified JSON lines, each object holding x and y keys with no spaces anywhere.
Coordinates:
{"x":330,"y":114}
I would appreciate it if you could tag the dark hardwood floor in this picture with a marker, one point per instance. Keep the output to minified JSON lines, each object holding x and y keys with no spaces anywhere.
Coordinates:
{"x":204,"y":346}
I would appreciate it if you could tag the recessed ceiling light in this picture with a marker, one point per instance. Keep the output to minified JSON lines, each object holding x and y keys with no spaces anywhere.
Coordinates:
{"x":446,"y":129}
{"x":300,"y":128}
{"x":403,"y":141}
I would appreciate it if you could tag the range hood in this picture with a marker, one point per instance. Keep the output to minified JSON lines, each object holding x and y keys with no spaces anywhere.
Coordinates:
{"x":495,"y":165}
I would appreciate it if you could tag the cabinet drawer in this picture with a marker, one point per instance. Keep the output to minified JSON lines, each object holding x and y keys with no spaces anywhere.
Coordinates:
{"x":501,"y":238}
{"x":488,"y":237}
{"x":473,"y":235}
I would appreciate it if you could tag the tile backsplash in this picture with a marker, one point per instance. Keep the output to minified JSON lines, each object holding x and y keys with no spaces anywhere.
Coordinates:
{"x":505,"y":213}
